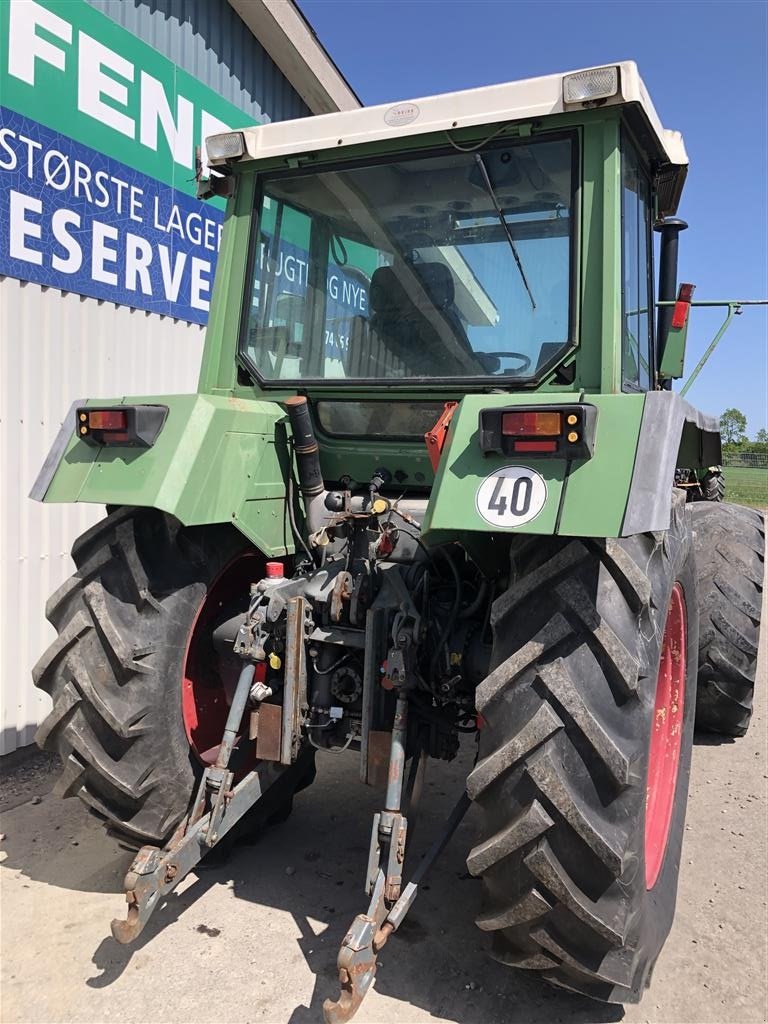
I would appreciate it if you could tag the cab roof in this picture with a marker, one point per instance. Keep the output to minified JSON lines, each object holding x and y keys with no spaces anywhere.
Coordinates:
{"x":510,"y":101}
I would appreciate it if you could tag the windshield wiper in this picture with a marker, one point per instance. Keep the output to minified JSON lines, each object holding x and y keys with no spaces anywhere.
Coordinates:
{"x":502,"y":220}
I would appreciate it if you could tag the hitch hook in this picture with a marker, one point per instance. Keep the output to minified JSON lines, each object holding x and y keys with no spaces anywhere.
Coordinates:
{"x":389,"y":903}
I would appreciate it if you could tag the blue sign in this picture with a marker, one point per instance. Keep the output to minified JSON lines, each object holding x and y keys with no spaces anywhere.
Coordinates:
{"x":75,"y":219}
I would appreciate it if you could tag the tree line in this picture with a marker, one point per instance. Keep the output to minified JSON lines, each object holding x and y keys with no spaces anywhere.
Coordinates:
{"x":733,"y":431}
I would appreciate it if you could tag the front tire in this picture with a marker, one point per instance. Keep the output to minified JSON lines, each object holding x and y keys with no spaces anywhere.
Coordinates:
{"x":577,"y":883}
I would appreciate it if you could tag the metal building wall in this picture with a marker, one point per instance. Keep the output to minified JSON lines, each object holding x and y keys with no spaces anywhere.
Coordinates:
{"x":58,"y":346}
{"x":207,"y":39}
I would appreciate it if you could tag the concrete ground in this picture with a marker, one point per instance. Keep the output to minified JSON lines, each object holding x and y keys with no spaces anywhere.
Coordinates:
{"x":254,"y":938}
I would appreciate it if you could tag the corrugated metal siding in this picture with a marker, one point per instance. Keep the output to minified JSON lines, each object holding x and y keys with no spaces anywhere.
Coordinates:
{"x":56,"y":347}
{"x":208,"y":39}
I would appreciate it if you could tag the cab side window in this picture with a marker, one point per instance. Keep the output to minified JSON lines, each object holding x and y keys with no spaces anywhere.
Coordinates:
{"x":637,"y":308}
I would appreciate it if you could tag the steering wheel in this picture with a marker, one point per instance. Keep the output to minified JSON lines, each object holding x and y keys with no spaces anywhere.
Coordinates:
{"x":524,"y":360}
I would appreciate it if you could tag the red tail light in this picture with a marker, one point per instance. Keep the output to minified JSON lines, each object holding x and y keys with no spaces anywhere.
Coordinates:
{"x":532,"y":424}
{"x":564,"y":431}
{"x":108,"y":419}
{"x":135,"y":426}
{"x":535,"y":446}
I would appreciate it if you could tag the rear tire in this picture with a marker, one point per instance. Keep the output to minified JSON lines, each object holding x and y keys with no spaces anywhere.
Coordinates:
{"x":115,"y":672}
{"x":569,"y":712}
{"x":729,"y":541}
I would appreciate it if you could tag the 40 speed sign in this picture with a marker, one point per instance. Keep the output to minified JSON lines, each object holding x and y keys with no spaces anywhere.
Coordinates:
{"x":511,"y":496}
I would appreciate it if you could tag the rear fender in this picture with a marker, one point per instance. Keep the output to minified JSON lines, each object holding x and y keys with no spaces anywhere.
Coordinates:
{"x":672,"y":433}
{"x":217,"y":459}
{"x":623,"y":489}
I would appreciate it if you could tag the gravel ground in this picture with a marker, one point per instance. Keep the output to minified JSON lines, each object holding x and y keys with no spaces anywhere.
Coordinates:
{"x":254,"y":937}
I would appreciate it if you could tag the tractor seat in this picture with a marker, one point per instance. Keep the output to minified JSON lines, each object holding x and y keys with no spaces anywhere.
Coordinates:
{"x":399,"y":321}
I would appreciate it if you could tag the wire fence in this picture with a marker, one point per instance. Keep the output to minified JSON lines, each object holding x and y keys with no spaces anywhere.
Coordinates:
{"x":746,"y":460}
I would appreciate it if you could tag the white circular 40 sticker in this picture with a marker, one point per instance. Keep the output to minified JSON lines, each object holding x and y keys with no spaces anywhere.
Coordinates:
{"x":511,"y":496}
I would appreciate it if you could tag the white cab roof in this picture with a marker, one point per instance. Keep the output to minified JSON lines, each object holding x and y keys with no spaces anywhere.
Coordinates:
{"x":511,"y":101}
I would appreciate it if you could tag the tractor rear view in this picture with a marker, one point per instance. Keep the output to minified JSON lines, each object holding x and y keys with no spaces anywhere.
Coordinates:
{"x":434,"y":483}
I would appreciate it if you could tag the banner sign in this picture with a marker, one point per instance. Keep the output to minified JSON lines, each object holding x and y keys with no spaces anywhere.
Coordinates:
{"x":76,"y":220}
{"x":75,"y":70}
{"x":97,"y":156}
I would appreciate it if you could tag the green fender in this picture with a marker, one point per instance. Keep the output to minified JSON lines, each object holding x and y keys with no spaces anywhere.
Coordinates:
{"x":216,"y":460}
{"x":623,"y":489}
{"x":222,"y":459}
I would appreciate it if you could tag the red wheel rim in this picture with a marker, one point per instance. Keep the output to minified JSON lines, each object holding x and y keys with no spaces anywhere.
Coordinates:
{"x":666,"y":737}
{"x":209,"y":678}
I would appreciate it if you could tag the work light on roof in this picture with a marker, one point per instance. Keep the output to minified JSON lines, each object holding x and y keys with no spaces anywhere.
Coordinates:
{"x":587,"y":86}
{"x":229,"y":146}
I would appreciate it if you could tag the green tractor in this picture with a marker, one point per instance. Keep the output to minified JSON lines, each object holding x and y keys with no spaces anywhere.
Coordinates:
{"x":434,"y":482}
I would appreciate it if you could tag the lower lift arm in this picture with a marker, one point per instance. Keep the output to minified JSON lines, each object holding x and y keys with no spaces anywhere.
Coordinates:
{"x":389,"y":902}
{"x":218,"y":806}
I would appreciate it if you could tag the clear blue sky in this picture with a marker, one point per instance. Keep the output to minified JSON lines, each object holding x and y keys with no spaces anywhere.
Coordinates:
{"x":704,"y":64}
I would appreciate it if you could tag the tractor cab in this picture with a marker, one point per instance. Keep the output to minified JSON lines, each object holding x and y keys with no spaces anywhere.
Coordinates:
{"x":455,"y":244}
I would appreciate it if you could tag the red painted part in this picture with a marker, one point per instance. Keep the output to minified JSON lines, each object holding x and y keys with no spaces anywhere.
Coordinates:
{"x":209,"y":678}
{"x":274,"y":570}
{"x":385,"y":545}
{"x":666,"y":737}
{"x":435,"y":438}
{"x":534,"y":446}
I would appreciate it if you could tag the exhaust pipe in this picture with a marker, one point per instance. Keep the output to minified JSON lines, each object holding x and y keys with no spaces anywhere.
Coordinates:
{"x":308,"y":470}
{"x":669,"y":229}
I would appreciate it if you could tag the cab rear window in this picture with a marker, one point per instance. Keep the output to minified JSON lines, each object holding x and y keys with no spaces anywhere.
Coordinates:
{"x":402,"y":420}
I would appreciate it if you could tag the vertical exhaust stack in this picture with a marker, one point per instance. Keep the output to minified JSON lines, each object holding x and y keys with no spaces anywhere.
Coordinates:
{"x":669,"y":229}
{"x":308,"y":470}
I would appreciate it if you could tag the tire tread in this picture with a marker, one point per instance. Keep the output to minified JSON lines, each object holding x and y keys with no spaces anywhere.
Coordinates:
{"x":730,"y":555}
{"x":560,"y":777}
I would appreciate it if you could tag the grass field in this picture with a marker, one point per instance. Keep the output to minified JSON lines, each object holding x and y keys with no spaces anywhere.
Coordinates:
{"x":746,"y":486}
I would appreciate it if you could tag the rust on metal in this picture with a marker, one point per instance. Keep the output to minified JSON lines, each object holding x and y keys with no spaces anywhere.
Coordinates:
{"x":253,"y":725}
{"x":382,"y":935}
{"x":355,"y":980}
{"x":379,"y":743}
{"x":295,"y":682}
{"x":270,"y":732}
{"x":342,"y":591}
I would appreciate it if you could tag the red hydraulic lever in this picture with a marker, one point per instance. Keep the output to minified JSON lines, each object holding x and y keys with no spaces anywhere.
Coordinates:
{"x":435,"y":438}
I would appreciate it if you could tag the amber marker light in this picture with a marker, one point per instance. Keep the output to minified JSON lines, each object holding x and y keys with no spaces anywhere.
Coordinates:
{"x":532,"y":424}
